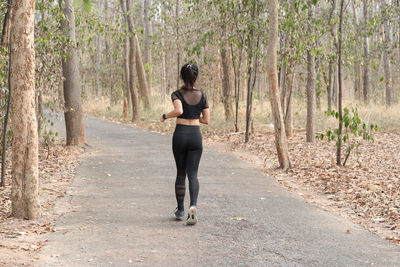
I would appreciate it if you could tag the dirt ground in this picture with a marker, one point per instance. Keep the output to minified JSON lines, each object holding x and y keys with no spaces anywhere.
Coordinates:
{"x":19,"y":239}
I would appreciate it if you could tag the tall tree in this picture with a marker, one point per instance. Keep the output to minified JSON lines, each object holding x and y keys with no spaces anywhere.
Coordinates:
{"x":356,"y":67}
{"x":125,"y":5}
{"x":279,"y":126}
{"x":331,"y":88}
{"x":98,"y":53}
{"x":25,"y":176}
{"x":366,"y":54}
{"x":72,"y":81}
{"x":147,"y":43}
{"x":386,"y":49}
{"x":311,"y":77}
{"x":226,"y":80}
{"x":141,"y":74}
{"x":340,"y":33}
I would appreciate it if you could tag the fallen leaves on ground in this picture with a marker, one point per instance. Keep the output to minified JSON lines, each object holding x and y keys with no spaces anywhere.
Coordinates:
{"x":20,"y":238}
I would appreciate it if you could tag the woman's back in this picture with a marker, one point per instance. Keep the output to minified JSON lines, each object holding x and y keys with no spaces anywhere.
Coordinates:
{"x":193,"y":102}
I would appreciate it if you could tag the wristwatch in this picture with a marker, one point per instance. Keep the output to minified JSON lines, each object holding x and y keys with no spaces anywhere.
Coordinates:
{"x":164,"y":116}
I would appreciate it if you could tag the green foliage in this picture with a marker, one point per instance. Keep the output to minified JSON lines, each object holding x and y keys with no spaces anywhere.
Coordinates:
{"x":48,"y":135}
{"x":355,"y":131}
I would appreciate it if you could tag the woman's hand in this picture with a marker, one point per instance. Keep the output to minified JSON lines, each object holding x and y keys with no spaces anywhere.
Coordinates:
{"x":161,"y":118}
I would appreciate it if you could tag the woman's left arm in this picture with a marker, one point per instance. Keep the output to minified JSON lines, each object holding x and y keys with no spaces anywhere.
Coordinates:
{"x":177,"y":111}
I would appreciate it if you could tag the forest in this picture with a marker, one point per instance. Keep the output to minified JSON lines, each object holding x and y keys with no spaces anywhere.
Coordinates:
{"x":306,"y":90}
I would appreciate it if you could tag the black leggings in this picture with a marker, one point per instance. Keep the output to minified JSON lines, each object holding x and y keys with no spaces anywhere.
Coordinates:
{"x":187,"y":147}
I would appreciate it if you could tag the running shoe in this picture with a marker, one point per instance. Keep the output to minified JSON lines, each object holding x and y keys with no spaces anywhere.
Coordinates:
{"x":179,"y":214}
{"x":192,"y":216}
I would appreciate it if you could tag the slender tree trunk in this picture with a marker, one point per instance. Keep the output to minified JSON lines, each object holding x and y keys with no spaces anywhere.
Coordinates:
{"x":98,"y":54}
{"x":178,"y":54}
{"x":5,"y":42}
{"x":282,"y":82}
{"x":132,"y":55}
{"x":72,"y":81}
{"x":126,"y":73}
{"x":147,"y":47}
{"x":332,"y":67}
{"x":217,"y":86}
{"x":279,"y":126}
{"x":144,"y":92}
{"x":356,"y":67}
{"x":329,"y":88}
{"x":335,"y":86}
{"x":25,"y":176}
{"x":226,"y":82}
{"x":311,"y":77}
{"x":5,"y":34}
{"x":386,"y":60}
{"x":339,"y":145}
{"x":289,"y":114}
{"x":164,"y":54}
{"x":366,"y":59}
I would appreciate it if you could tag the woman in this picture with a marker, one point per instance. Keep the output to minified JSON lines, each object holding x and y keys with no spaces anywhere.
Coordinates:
{"x":189,"y":104}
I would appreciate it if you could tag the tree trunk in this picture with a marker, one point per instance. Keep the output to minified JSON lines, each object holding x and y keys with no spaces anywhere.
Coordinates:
{"x":5,"y":34}
{"x":132,"y":56}
{"x":282,"y":82}
{"x":226,"y":81}
{"x":329,"y":87}
{"x":279,"y":126}
{"x":25,"y":176}
{"x":72,"y":84}
{"x":178,"y":54}
{"x":98,"y":54}
{"x":356,"y":67}
{"x":386,"y":59}
{"x":289,"y":114}
{"x":217,"y":86}
{"x":366,"y":59}
{"x":144,"y":92}
{"x":126,"y":73}
{"x":147,"y":43}
{"x":310,"y":133}
{"x":339,"y":147}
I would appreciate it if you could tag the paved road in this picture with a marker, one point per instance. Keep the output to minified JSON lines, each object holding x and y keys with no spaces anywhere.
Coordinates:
{"x":123,"y":197}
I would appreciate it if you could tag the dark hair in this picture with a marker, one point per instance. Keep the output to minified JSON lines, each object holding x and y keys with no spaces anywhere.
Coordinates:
{"x":189,"y":73}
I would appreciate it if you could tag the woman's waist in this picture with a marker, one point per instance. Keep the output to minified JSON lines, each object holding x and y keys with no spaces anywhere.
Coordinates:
{"x":187,"y":129}
{"x":189,"y":122}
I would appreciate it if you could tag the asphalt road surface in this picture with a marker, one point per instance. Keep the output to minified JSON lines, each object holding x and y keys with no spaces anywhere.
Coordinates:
{"x":122,"y":200}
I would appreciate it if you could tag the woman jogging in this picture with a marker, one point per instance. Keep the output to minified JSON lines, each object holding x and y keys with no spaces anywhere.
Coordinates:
{"x":191,"y":109}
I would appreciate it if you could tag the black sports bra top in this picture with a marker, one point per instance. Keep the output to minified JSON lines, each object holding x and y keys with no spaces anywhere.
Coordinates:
{"x":193,"y":102}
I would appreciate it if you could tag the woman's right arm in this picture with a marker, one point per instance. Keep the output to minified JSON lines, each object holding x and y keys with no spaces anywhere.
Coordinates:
{"x":177,"y":111}
{"x":205,"y":118}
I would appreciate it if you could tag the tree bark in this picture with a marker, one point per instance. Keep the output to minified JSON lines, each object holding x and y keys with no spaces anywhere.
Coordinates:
{"x":25,"y":176}
{"x":386,"y":60}
{"x":366,"y":59}
{"x":5,"y":34}
{"x":217,"y":86}
{"x":356,"y":67}
{"x":279,"y":126}
{"x":311,"y":77}
{"x":339,"y":145}
{"x":329,"y":87}
{"x":147,"y":43}
{"x":289,"y":114}
{"x":226,"y":82}
{"x":126,"y":73}
{"x":98,"y":54}
{"x":144,"y":92}
{"x":72,"y":84}
{"x":132,"y":55}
